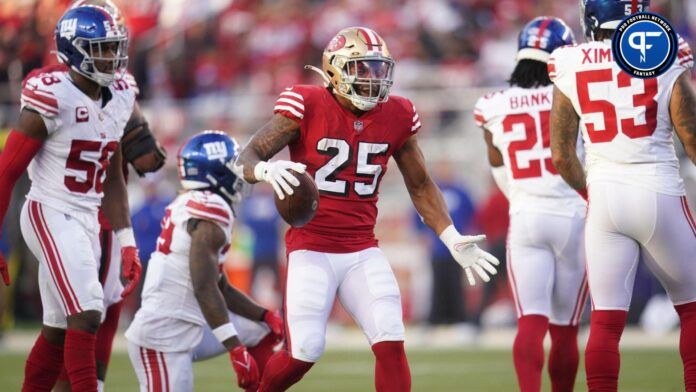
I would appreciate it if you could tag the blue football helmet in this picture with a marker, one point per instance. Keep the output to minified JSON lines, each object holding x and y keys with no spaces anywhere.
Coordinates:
{"x":607,"y":14}
{"x":542,"y":36}
{"x":91,"y":42}
{"x":205,"y":163}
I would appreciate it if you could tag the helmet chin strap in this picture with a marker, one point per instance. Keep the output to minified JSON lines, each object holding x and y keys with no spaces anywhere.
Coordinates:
{"x":327,"y":82}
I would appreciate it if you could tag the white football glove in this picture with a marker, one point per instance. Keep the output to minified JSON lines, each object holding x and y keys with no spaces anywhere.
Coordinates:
{"x":469,"y":255}
{"x":278,"y":175}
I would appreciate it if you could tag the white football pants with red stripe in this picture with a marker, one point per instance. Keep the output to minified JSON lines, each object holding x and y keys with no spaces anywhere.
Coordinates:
{"x":67,"y":247}
{"x":546,"y":266}
{"x":364,"y":283}
{"x":627,"y":223}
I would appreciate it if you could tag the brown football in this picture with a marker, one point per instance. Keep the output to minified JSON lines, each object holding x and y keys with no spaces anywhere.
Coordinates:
{"x":299,"y":208}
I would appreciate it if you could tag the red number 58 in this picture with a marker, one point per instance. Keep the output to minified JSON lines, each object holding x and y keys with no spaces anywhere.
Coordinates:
{"x":94,"y":170}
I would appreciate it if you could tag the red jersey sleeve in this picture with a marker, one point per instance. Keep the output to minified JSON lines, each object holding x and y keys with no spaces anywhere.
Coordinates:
{"x":291,"y":104}
{"x":413,"y":122}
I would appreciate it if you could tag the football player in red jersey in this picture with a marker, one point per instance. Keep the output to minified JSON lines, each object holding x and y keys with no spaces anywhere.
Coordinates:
{"x":343,"y":135}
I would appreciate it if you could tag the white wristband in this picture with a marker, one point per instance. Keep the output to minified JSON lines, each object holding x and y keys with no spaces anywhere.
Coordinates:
{"x":450,"y":236}
{"x":260,"y":170}
{"x":125,"y":237}
{"x":224,"y":332}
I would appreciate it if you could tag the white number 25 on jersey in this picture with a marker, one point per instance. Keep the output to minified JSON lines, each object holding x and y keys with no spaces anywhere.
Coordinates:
{"x":341,"y":154}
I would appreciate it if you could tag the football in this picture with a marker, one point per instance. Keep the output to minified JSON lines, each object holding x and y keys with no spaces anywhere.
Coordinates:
{"x":299,"y":208}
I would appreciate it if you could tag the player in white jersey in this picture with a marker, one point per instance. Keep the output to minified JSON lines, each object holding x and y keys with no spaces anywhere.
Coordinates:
{"x":637,"y":209}
{"x":185,"y":292}
{"x":143,"y":152}
{"x":545,"y":262}
{"x":68,"y":135}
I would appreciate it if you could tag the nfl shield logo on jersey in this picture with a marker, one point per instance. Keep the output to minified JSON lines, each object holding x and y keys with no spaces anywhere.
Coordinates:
{"x":358,"y":126}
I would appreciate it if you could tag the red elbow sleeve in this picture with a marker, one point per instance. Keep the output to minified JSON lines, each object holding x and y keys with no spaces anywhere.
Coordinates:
{"x":19,"y":150}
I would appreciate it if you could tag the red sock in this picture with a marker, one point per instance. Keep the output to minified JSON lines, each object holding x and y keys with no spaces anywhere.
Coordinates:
{"x":602,"y":358}
{"x":282,"y":371}
{"x":528,"y":351}
{"x":106,"y":334}
{"x":391,"y":367}
{"x":79,"y":360}
{"x":263,"y":351}
{"x":687,"y":343}
{"x":43,"y":366}
{"x":564,"y":357}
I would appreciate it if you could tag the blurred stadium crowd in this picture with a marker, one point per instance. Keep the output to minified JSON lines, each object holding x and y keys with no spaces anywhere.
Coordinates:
{"x":219,"y":63}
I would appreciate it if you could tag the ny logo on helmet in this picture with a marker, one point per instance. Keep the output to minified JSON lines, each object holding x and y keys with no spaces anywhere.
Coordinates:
{"x":533,"y":38}
{"x":68,"y":28}
{"x":215,"y":150}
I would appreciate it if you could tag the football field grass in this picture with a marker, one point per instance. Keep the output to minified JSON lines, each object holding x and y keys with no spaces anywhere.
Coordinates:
{"x":432,"y":371}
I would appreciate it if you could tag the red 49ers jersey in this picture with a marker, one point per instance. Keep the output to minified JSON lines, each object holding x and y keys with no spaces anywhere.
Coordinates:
{"x":347,"y":157}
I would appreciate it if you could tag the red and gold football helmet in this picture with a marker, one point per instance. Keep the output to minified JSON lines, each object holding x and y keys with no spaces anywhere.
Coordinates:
{"x":359,"y":67}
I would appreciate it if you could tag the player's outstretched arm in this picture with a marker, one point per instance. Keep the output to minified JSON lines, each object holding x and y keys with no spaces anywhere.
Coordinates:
{"x":253,"y":164}
{"x":682,"y":108}
{"x":428,"y":200}
{"x":495,"y":159}
{"x":564,"y":138}
{"x":20,"y":148}
{"x":206,"y":241}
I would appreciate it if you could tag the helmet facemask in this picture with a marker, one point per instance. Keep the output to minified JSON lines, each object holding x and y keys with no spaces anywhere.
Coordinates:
{"x":105,"y":59}
{"x":365,"y":81}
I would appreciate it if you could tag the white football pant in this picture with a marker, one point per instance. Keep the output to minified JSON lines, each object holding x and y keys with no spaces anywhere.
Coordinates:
{"x":546,"y":266}
{"x":626,"y":223}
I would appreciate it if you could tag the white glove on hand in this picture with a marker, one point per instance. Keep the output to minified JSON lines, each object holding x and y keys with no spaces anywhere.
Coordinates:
{"x":469,"y":255}
{"x":278,"y":175}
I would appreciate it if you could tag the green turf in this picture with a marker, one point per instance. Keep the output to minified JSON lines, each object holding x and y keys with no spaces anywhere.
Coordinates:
{"x":432,"y":371}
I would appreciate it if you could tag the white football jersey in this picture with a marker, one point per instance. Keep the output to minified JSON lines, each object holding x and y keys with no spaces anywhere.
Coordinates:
{"x":168,"y":290}
{"x":69,"y":170}
{"x":518,"y":120}
{"x":625,"y":122}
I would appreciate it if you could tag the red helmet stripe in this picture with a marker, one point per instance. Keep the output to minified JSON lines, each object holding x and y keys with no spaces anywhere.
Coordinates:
{"x":371,"y":39}
{"x":108,"y":16}
{"x":542,"y":29}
